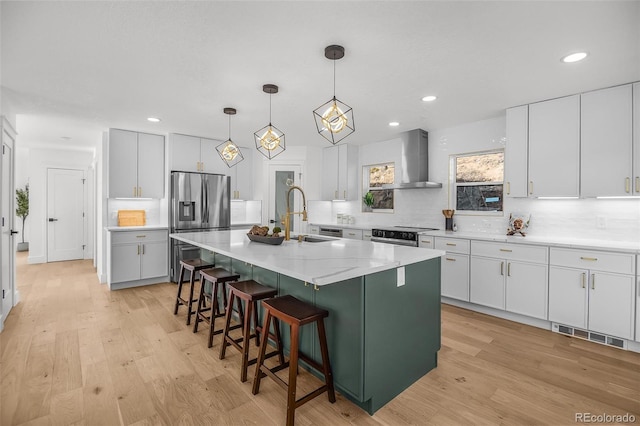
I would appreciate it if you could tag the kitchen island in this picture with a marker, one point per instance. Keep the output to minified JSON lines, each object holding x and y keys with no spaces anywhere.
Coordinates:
{"x":383,"y":329}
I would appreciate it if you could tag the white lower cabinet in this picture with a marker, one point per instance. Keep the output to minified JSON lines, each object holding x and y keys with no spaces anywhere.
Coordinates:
{"x":511,"y":277}
{"x":138,"y":255}
{"x":454,"y":266}
{"x":353,"y":234}
{"x":596,"y":297}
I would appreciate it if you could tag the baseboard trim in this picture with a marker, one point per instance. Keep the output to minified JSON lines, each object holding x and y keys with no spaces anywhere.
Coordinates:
{"x":523,"y":319}
{"x":138,"y":283}
{"x":36,"y":259}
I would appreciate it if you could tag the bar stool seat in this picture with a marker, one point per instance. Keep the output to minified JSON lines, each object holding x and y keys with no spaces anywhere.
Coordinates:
{"x":296,"y":313}
{"x":210,"y":280}
{"x":192,"y":266}
{"x":250,"y":292}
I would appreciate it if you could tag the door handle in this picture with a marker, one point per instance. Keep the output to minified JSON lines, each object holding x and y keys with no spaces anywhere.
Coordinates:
{"x":51,"y":219}
{"x":13,"y":232}
{"x":272,"y":221}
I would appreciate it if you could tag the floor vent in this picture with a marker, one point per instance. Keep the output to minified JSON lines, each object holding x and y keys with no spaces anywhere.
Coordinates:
{"x":589,"y":335}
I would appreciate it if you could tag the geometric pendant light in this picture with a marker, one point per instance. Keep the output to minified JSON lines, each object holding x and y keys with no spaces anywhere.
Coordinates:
{"x":269,"y":139}
{"x":229,"y":151}
{"x":334,"y":119}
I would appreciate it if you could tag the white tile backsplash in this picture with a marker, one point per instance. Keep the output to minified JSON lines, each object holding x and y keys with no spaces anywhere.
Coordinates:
{"x":151,"y":208}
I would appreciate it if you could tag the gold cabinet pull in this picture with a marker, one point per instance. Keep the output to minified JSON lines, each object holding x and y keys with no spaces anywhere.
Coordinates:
{"x":139,"y":192}
{"x":637,"y":183}
{"x":138,"y":250}
{"x":509,"y":269}
{"x":345,"y":194}
{"x":591,"y":259}
{"x":352,"y":234}
{"x":451,"y":244}
{"x":627,"y":185}
{"x":593,"y":281}
{"x":501,"y":268}
{"x":306,"y":284}
{"x":508,"y":188}
{"x":335,"y":195}
{"x":140,"y":236}
{"x":530,"y":187}
{"x":450,"y":258}
{"x":584,"y":279}
{"x":507,"y":250}
{"x":143,"y":249}
{"x":315,"y":287}
{"x":135,"y":193}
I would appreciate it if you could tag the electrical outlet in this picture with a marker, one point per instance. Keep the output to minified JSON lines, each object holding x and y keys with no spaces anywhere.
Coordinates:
{"x":601,"y":222}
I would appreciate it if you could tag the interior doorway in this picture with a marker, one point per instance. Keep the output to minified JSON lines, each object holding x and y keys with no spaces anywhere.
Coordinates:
{"x":7,"y":247}
{"x":281,"y":177}
{"x":65,"y":214}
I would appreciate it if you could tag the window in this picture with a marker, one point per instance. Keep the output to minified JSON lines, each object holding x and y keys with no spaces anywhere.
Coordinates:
{"x":478,"y":181}
{"x":374,"y":177}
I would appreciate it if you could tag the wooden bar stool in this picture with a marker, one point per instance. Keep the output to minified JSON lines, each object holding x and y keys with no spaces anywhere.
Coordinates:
{"x":210,"y":280}
{"x":251,"y":292}
{"x":192,"y":266}
{"x":295,"y":313}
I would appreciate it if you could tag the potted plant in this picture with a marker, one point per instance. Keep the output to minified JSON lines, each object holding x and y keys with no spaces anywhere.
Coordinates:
{"x":276,"y":231}
{"x":22,"y":211}
{"x":368,"y":201}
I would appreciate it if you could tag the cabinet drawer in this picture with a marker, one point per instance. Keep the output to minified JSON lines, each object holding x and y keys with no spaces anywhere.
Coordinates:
{"x":314,"y":229}
{"x":366,"y":234}
{"x":455,"y":245}
{"x":140,"y":236}
{"x":426,"y":241}
{"x":354,"y":234}
{"x":621,"y":263}
{"x":525,"y":253}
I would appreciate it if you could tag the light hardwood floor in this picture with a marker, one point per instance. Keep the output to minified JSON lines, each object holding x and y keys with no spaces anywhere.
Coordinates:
{"x":73,"y":352}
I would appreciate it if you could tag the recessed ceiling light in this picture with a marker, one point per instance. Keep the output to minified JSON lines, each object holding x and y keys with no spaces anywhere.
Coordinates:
{"x":154,"y":119}
{"x":574,"y":57}
{"x":429,"y":98}
{"x":394,"y":124}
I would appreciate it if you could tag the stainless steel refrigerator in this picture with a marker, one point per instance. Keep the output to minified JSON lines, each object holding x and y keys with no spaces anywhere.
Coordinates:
{"x":199,"y":202}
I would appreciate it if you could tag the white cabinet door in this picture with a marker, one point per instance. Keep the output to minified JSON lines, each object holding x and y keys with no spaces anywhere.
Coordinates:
{"x":611,"y":304}
{"x":352,"y":234}
{"x":487,"y":281}
{"x":568,"y":296}
{"x":185,"y":153}
{"x":455,"y":276}
{"x":150,"y":166}
{"x":347,"y":172}
{"x":125,"y":262}
{"x":242,"y":177}
{"x":636,"y":142}
{"x":123,"y":164}
{"x":154,"y":259}
{"x":554,"y":147}
{"x":210,"y":161}
{"x":330,"y":173}
{"x":515,"y":152}
{"x":606,"y":142}
{"x":526,"y":289}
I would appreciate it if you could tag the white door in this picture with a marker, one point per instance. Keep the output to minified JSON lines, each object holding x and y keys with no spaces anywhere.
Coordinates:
{"x":487,"y":281}
{"x":526,"y":289}
{"x":611,"y":304}
{"x":455,"y":276}
{"x":7,"y":250}
{"x":65,"y":214}
{"x":278,"y":188}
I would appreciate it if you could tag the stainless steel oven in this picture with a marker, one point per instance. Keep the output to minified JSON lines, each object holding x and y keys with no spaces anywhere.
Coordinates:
{"x":399,"y":235}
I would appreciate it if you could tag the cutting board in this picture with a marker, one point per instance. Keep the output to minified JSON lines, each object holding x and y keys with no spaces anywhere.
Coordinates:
{"x":131,"y":218}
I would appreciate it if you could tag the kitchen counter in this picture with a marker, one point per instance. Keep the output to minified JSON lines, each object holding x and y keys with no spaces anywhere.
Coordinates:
{"x":135,"y":228}
{"x":316,"y":263}
{"x":380,"y":298}
{"x":567,"y":242}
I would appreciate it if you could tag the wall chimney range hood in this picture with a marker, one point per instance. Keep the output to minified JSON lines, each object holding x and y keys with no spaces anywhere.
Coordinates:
{"x":414,"y":162}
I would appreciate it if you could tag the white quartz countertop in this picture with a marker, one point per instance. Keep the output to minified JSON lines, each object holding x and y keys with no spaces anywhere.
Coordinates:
{"x":135,"y":228}
{"x":316,"y":263}
{"x":568,"y":242}
{"x":343,"y":226}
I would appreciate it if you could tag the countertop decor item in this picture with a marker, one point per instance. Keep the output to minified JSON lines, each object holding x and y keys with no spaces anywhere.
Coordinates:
{"x":334,"y":118}
{"x":131,"y":218}
{"x":518,"y":223}
{"x":276,"y":241}
{"x":448,"y":219}
{"x":368,"y":201}
{"x":269,"y":139}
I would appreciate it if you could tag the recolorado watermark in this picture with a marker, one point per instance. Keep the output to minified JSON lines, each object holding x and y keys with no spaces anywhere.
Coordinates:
{"x":604,"y":418}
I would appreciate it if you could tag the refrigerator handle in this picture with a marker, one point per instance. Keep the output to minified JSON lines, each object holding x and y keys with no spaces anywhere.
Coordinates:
{"x":205,"y":201}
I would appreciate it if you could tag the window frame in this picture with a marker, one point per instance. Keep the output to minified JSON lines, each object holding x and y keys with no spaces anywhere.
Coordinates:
{"x":366,"y":188}
{"x":453,"y":184}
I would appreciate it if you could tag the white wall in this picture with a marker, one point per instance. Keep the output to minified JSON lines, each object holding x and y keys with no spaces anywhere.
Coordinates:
{"x":549,"y":218}
{"x":39,"y":160}
{"x":22,"y":179}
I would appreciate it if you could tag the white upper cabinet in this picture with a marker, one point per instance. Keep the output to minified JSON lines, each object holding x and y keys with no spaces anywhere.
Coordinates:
{"x":554,"y":147}
{"x":340,"y":172}
{"x":515,"y":152}
{"x":242,"y":176}
{"x":136,"y":165}
{"x":606,"y":142}
{"x":636,"y":142}
{"x":195,"y":154}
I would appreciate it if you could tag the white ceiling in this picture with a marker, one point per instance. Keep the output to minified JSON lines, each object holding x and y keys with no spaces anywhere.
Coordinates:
{"x":74,"y":69}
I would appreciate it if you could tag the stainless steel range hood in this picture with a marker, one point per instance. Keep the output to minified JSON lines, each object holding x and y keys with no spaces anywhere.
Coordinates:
{"x":414,"y":162}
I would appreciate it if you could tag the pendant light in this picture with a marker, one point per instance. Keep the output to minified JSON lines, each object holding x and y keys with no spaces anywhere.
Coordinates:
{"x":229,"y":151}
{"x":269,"y":139}
{"x":334,"y":119}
